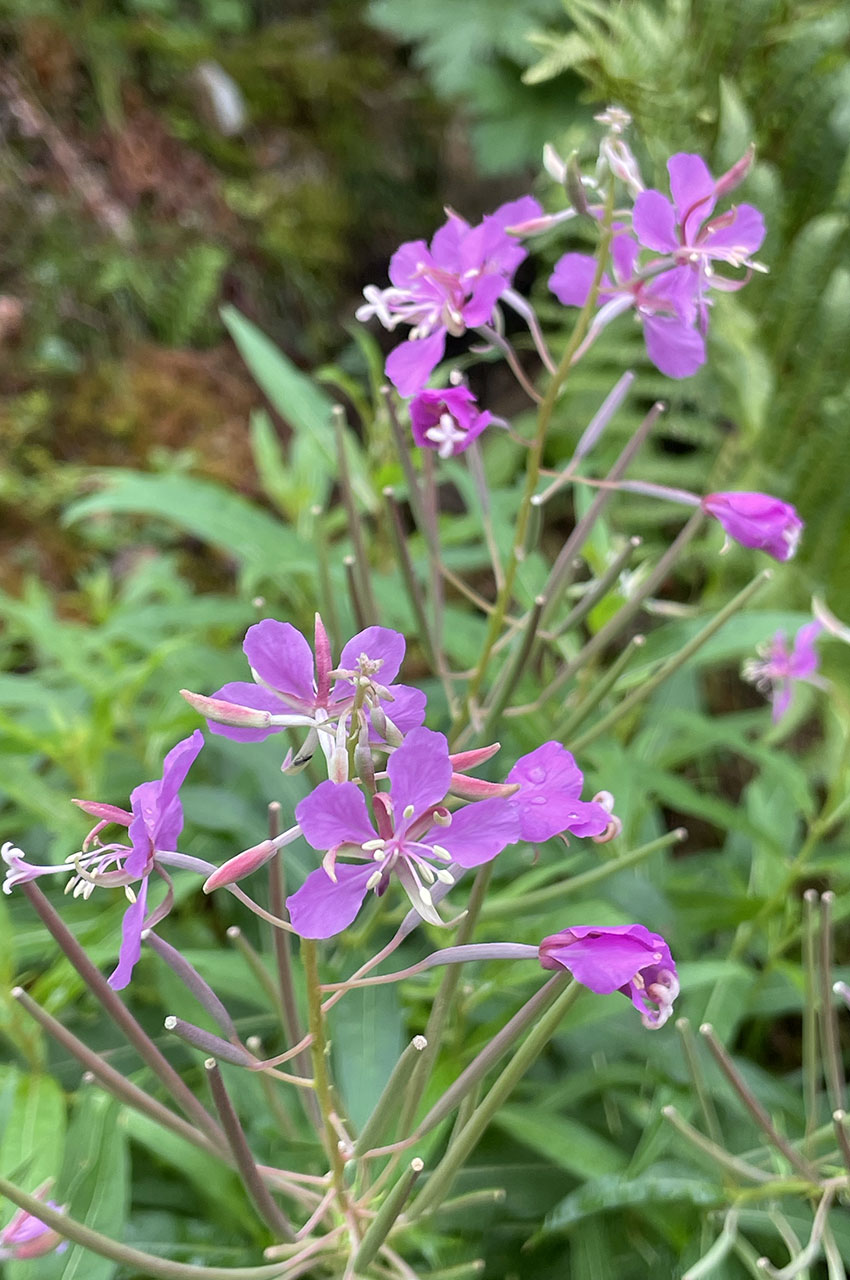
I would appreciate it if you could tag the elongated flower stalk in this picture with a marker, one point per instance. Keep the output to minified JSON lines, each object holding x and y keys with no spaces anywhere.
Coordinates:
{"x":435,"y":822}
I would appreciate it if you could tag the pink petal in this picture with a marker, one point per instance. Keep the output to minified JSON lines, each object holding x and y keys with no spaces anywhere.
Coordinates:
{"x":131,"y":939}
{"x":692,"y":188}
{"x":654,"y":222}
{"x":485,"y":294}
{"x":571,"y":280}
{"x":404,"y":264}
{"x":477,"y":832}
{"x":420,"y":773}
{"x":322,"y":908}
{"x":407,"y":709}
{"x":447,"y":241}
{"x":334,"y":813}
{"x":281,"y":657}
{"x":377,"y":643}
{"x":745,"y":234}
{"x":674,"y":348}
{"x":624,"y":256}
{"x":410,"y":365}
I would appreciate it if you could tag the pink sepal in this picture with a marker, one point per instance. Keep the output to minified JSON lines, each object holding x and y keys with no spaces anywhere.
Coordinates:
{"x":240,"y":866}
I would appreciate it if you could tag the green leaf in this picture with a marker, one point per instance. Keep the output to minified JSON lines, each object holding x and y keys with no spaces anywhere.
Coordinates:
{"x":304,"y":405}
{"x":367,"y":1037}
{"x":564,"y":1141}
{"x":34,"y":1136}
{"x":257,"y":541}
{"x":94,"y":1184}
{"x":655,"y":1186}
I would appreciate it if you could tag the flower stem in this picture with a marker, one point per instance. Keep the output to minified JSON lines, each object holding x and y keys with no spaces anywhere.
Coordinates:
{"x":322,"y":1085}
{"x":441,"y":1179}
{"x":121,"y":1016}
{"x":534,"y":460}
{"x":266,"y":1206}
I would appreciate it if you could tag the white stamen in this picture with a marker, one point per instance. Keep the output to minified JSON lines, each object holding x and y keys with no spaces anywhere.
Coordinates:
{"x":408,"y":811}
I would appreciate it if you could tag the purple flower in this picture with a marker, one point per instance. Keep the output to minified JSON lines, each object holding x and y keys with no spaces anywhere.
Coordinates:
{"x":292,"y":689}
{"x":449,"y":287}
{"x":625,"y":958}
{"x":28,"y":1237}
{"x":776,"y":670}
{"x":414,"y":832}
{"x":757,"y":520}
{"x":154,"y":822}
{"x":547,"y":803}
{"x":684,"y":227}
{"x":447,"y":420}
{"x":665,"y":304}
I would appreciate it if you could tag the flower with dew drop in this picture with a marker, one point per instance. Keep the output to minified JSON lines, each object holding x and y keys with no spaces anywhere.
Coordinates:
{"x":548,"y":803}
{"x":626,"y":958}
{"x":413,"y":840}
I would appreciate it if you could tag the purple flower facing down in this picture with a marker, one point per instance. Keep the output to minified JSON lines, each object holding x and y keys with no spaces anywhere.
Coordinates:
{"x":665,"y":304}
{"x":447,"y":420}
{"x":293,"y":689}
{"x":548,"y":803}
{"x":685,"y":228}
{"x":757,"y":520}
{"x":28,"y":1237}
{"x":777,"y":668}
{"x":626,"y":958}
{"x":154,"y":822}
{"x":446,"y":288}
{"x":415,"y":840}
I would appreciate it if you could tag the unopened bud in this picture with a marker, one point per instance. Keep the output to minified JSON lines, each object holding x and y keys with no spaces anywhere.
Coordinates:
{"x":733,"y":177}
{"x":242,"y":865}
{"x":554,"y":165}
{"x":575,"y":187}
{"x":364,"y":765}
{"x":338,"y":765}
{"x":222,"y":712}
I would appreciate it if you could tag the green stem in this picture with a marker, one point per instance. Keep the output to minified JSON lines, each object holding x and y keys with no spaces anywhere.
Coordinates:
{"x":647,"y":687}
{"x":441,"y":1179}
{"x":318,"y":1053}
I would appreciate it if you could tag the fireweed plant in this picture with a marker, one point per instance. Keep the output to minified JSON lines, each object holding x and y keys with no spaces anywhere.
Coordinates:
{"x":399,"y":817}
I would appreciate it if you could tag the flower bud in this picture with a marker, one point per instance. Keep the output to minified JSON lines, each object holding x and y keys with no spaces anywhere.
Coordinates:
{"x":757,"y":520}
{"x":222,"y":712}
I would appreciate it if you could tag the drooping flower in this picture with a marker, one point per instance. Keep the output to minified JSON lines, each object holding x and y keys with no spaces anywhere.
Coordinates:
{"x":154,"y":822}
{"x":757,"y":520}
{"x":446,"y":288}
{"x":626,"y":958}
{"x":548,"y":801}
{"x":28,"y":1237}
{"x":685,"y":228}
{"x":665,"y":303}
{"x":416,"y":837}
{"x":447,"y":420}
{"x":293,"y":689}
{"x":777,"y":668}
